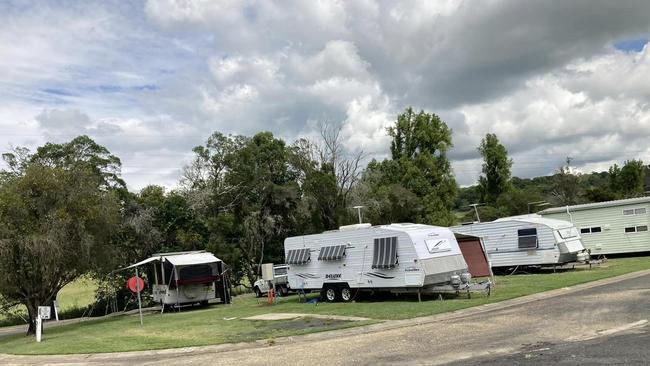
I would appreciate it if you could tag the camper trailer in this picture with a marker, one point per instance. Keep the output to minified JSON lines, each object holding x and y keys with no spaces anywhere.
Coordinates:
{"x":186,"y":278}
{"x":526,"y":240}
{"x":400,"y":258}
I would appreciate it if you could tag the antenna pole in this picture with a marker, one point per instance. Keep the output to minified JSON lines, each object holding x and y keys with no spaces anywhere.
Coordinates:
{"x":358,"y":208}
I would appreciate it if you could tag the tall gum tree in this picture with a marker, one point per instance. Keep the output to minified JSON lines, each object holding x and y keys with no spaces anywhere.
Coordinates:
{"x":58,"y":216}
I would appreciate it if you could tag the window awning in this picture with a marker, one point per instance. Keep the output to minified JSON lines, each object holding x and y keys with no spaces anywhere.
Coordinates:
{"x":331,"y":253}
{"x":385,"y":253}
{"x":298,"y":256}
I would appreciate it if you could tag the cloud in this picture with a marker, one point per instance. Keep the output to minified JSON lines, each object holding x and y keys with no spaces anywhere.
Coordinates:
{"x":151,"y":80}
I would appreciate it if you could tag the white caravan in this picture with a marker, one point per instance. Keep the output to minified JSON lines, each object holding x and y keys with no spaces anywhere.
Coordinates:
{"x":186,"y":277}
{"x":399,"y":258}
{"x":526,"y":240}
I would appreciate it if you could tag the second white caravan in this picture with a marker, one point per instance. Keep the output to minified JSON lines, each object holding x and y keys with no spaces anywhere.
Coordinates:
{"x":527,"y":240}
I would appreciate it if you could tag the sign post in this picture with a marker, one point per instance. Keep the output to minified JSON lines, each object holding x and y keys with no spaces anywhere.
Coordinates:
{"x":44,"y":312}
{"x":56,"y":310}
{"x":136,"y":284}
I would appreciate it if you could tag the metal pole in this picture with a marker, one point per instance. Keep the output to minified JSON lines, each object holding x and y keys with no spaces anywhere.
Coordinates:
{"x":137,"y":288}
{"x":477,"y":216}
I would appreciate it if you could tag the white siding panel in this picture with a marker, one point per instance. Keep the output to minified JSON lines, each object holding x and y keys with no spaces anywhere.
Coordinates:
{"x":612,"y":239}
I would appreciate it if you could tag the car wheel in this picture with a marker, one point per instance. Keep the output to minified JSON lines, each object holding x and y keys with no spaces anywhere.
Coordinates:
{"x":258,"y":292}
{"x":284,"y":291}
{"x":330,"y":294}
{"x":346,"y":294}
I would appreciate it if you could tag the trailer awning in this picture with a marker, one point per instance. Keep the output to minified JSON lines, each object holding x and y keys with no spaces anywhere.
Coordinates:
{"x":298,"y":256}
{"x":331,"y":253}
{"x":148,"y":260}
{"x":385,"y":253}
{"x":192,"y":258}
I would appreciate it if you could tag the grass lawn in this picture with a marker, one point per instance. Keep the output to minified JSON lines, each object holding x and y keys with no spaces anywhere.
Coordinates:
{"x":209,"y":326}
{"x":76,"y":294}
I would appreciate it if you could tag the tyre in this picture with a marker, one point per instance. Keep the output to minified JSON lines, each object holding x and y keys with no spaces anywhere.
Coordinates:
{"x":346,"y":294}
{"x":284,"y":291}
{"x":330,"y":294}
{"x":258,"y":292}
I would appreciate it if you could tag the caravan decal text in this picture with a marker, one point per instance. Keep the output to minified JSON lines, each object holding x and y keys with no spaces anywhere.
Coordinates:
{"x":333,"y":276}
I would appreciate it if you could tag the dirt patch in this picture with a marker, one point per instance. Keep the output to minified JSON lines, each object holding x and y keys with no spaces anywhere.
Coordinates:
{"x":303,"y":323}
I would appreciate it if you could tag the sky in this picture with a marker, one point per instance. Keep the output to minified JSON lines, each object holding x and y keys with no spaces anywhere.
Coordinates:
{"x":152,"y":79}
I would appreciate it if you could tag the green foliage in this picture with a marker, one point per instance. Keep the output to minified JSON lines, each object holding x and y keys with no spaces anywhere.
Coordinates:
{"x":628,"y":181}
{"x":57,"y":220}
{"x":419,"y":170}
{"x":495,"y":179}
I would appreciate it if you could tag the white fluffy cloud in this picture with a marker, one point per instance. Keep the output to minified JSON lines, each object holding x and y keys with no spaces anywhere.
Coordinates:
{"x":151,"y":80}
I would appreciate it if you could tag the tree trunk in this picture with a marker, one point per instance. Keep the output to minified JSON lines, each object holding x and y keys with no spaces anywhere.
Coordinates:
{"x":32,"y":311}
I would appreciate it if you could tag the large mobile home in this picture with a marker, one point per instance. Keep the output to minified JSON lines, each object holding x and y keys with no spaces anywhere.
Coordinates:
{"x":526,"y":240}
{"x":611,"y":227}
{"x":398,"y":258}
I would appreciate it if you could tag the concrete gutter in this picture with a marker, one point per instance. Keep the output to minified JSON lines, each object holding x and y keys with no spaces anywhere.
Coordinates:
{"x":386,"y":325}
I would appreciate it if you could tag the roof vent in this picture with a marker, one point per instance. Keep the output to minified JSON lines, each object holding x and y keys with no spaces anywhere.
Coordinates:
{"x":354,"y":227}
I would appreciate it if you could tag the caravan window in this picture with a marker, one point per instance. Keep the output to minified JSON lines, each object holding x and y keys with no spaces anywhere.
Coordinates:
{"x":384,"y":255}
{"x":437,"y":245}
{"x":636,"y":229}
{"x":527,"y":238}
{"x":634,"y":211}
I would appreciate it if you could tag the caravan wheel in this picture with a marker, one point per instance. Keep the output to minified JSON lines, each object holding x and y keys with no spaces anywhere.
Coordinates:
{"x":346,"y":294}
{"x":330,"y":294}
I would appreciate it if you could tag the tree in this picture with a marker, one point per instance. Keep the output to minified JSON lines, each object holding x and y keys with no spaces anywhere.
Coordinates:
{"x":631,"y":178}
{"x":419,"y":164}
{"x":57,"y":221}
{"x":566,"y":188}
{"x":495,"y":179}
{"x":250,"y":194}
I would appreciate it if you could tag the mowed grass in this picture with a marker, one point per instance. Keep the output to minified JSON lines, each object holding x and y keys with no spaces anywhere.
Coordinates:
{"x":224,"y":323}
{"x":77,"y":294}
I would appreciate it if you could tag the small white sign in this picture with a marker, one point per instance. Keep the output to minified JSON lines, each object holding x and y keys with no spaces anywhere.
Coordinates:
{"x":44,"y":312}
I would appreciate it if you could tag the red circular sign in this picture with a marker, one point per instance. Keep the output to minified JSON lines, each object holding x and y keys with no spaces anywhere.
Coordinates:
{"x":132,"y":285}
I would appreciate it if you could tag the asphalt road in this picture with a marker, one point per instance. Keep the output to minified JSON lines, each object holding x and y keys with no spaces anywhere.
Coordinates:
{"x":602,"y":325}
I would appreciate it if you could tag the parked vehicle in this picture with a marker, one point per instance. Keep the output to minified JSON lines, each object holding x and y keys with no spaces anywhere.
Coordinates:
{"x":400,"y":258}
{"x":186,"y":278}
{"x":261,"y":287}
{"x":526,"y":240}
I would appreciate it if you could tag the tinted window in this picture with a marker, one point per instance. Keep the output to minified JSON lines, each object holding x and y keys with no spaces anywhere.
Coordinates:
{"x":596,"y":229}
{"x":628,"y":212}
{"x":630,"y":229}
{"x":639,"y":211}
{"x":642,"y":228}
{"x":527,"y":238}
{"x":527,"y":232}
{"x":584,"y":230}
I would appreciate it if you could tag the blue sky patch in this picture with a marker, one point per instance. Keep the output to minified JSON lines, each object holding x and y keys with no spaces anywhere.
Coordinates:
{"x":631,"y":45}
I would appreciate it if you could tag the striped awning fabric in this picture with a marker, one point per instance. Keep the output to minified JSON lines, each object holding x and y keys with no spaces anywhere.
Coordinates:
{"x":298,"y":256}
{"x":385,"y":253}
{"x":331,"y":253}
